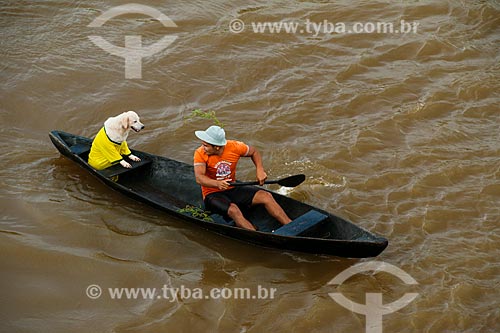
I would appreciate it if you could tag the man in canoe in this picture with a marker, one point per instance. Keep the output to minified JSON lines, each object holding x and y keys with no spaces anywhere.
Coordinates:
{"x":215,"y":168}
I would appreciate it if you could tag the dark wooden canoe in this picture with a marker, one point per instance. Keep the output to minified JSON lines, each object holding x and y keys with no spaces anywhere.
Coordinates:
{"x":170,"y":185}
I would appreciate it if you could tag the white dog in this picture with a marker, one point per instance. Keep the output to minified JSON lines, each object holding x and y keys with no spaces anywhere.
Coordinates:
{"x":110,"y":143}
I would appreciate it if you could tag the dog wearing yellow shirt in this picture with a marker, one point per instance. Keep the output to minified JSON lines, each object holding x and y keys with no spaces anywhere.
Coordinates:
{"x":110,"y":145}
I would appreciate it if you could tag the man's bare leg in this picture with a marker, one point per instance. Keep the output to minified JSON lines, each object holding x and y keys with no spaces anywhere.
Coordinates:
{"x":272,"y":207}
{"x":235,"y":213}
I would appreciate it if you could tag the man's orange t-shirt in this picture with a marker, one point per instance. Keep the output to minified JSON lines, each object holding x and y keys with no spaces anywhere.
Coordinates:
{"x":223,"y":166}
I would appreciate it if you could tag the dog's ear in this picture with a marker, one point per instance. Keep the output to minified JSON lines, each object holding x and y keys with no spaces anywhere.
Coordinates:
{"x":125,"y":121}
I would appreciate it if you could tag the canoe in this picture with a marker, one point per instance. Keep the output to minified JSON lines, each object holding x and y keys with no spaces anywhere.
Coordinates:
{"x":169,"y":185}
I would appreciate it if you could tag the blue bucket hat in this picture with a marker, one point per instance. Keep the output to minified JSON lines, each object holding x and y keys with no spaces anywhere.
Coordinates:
{"x":214,"y":135}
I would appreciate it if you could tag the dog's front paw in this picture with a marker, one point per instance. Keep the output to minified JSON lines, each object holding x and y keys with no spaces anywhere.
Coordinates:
{"x":125,"y":164}
{"x":134,"y":158}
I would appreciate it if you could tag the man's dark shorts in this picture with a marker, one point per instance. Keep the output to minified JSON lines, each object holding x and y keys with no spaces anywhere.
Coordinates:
{"x":241,"y":196}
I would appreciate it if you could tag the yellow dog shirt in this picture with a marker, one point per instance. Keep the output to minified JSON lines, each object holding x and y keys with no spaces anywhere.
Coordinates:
{"x":104,"y":152}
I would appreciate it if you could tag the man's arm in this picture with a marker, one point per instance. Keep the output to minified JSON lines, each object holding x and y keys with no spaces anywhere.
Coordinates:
{"x":202,"y":179}
{"x":257,"y":160}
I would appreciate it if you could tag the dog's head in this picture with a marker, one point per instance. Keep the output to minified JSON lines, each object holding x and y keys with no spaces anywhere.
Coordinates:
{"x":130,"y":120}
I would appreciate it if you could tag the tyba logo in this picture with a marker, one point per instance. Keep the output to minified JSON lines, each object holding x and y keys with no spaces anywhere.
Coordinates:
{"x":133,"y":52}
{"x":373,"y":309}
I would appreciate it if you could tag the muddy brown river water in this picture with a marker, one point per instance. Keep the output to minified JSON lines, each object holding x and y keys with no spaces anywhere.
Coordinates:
{"x":396,"y":131}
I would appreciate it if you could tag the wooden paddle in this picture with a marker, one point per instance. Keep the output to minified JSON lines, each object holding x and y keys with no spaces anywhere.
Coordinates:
{"x":291,"y":181}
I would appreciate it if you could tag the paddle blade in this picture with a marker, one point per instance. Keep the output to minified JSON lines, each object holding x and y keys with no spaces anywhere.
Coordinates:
{"x":292,"y":181}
